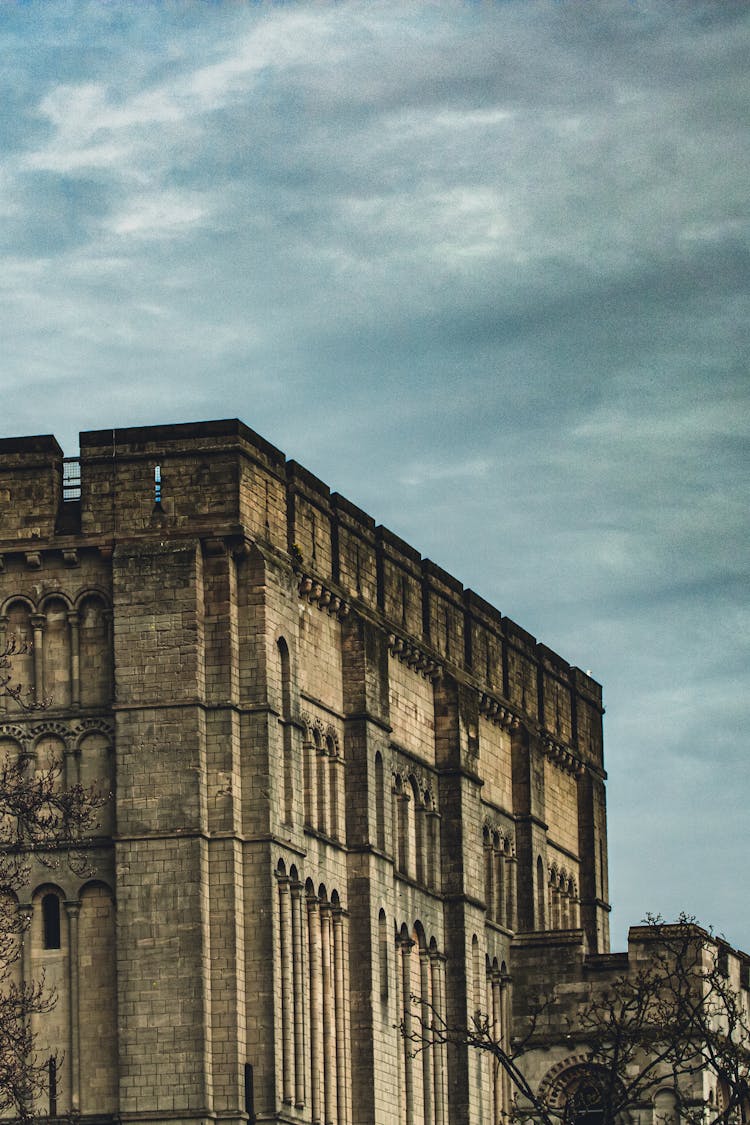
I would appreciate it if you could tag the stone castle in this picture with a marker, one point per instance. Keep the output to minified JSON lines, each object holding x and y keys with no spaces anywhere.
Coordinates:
{"x":338,"y":780}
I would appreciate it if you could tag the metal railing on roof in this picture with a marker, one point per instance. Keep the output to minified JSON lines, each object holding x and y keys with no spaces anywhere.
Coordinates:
{"x":71,"y":482}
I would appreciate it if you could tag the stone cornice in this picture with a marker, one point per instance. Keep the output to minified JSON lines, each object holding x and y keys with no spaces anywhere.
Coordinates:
{"x":561,"y":756}
{"x":409,"y":653}
{"x":498,"y":713}
{"x":313,"y":591}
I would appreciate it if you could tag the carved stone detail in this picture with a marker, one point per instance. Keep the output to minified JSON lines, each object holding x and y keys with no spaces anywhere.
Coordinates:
{"x":415,"y":657}
{"x":316,"y":593}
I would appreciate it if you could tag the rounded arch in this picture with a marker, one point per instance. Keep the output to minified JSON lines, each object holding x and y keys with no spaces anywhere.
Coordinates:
{"x":95,"y":648}
{"x":18,"y":612}
{"x":48,"y":918}
{"x":574,"y":1088}
{"x":55,"y":596}
{"x":666,"y":1106}
{"x":281,"y":868}
{"x":97,"y":1000}
{"x":95,"y":593}
{"x":419,"y":936}
{"x":98,"y":885}
{"x":20,"y":600}
{"x":294,"y":873}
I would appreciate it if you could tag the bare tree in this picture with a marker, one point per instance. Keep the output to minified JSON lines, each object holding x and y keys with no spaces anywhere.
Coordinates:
{"x":40,"y":820}
{"x":677,"y":1019}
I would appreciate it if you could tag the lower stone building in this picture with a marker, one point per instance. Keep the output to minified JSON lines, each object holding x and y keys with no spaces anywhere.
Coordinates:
{"x":338,"y":780}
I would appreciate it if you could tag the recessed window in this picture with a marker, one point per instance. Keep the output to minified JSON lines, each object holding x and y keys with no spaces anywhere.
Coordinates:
{"x":51,"y":921}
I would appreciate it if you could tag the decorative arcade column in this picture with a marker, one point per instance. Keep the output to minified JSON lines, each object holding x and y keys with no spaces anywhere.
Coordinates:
{"x":298,"y":997}
{"x":406,"y":945}
{"x":426,"y":1015}
{"x":316,"y":1009}
{"x":73,"y":910}
{"x":287,"y":1018}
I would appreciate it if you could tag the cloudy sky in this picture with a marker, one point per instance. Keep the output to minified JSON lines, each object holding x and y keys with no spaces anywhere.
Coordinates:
{"x":483,"y":269}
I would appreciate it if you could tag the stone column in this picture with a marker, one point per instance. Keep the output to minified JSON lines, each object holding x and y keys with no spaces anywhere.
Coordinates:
{"x":511,"y":871}
{"x":329,"y":1039}
{"x":497,"y":1034}
{"x":75,"y":659}
{"x":25,"y":912}
{"x":342,"y":1070}
{"x":426,"y":1015}
{"x":73,"y":909}
{"x":37,"y":625}
{"x":500,"y":891}
{"x":3,"y":639}
{"x":406,"y":945}
{"x":505,"y":1015}
{"x":287,"y":1020}
{"x":298,"y":997}
{"x":316,"y":1009}
{"x":443,"y":1054}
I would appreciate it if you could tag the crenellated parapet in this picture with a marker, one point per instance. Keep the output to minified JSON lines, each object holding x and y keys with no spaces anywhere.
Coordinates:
{"x":221,"y":481}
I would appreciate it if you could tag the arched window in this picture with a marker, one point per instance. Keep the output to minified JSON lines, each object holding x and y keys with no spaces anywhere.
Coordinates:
{"x":56,"y":653}
{"x":416,"y":833}
{"x":51,"y":921}
{"x":333,"y":768}
{"x":666,"y":1108}
{"x":322,"y":776}
{"x":379,"y":803}
{"x":499,"y":864}
{"x":287,"y":730}
{"x":383,"y":955}
{"x":540,"y":893}
{"x":402,"y":826}
{"x":310,"y":778}
{"x":488,"y":873}
{"x":582,"y":1092}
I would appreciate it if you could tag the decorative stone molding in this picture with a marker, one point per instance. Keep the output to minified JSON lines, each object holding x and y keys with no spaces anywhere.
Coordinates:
{"x":316,"y":593}
{"x":423,"y":783}
{"x":70,"y":733}
{"x":412,"y":655}
{"x":503,"y":833}
{"x":92,"y":726}
{"x":498,"y":713}
{"x":21,"y":735}
{"x":561,"y":756}
{"x":70,"y":557}
{"x":33,"y":559}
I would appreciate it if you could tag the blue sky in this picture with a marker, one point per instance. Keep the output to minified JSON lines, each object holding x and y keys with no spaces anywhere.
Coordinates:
{"x":483,"y":269}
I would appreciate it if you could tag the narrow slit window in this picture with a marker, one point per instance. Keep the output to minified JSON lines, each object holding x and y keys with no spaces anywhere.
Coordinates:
{"x":157,"y":484}
{"x":249,"y":1093}
{"x":51,"y":921}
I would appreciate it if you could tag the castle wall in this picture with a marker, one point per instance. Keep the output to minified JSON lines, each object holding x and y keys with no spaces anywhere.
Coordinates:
{"x":338,"y":778}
